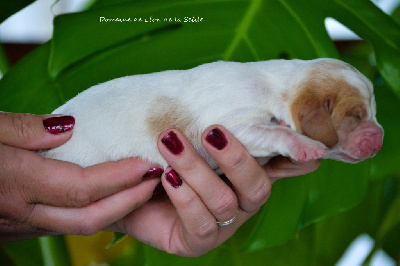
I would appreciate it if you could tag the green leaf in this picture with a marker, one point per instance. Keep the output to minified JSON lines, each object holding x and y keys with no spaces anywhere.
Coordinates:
{"x":118,"y":237}
{"x":54,"y":251}
{"x":368,"y":24}
{"x":27,"y":86}
{"x":391,"y":220}
{"x":10,"y":7}
{"x":85,"y":51}
{"x":31,"y":253}
{"x":4,"y":66}
{"x":396,"y":14}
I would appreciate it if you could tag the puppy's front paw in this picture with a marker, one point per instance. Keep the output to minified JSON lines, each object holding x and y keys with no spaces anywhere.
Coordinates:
{"x":305,"y":149}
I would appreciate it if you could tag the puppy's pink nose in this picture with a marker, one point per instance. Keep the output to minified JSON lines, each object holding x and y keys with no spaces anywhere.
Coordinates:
{"x":371,"y":142}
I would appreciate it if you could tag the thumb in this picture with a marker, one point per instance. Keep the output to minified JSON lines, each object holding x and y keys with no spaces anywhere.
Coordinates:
{"x":280,"y":167}
{"x":35,"y":132}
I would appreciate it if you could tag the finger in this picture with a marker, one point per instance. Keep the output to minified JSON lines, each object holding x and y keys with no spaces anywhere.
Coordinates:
{"x":196,"y":231}
{"x":16,"y":236}
{"x":96,"y":216}
{"x":219,"y":198}
{"x":281,"y":167}
{"x":35,"y":132}
{"x":86,"y":185}
{"x":59,"y":183}
{"x":155,"y":223}
{"x":198,"y":226}
{"x":167,"y":226}
{"x":250,"y":182}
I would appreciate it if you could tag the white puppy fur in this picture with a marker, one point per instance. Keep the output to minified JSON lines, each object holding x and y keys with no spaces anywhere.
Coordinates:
{"x":255,"y":101}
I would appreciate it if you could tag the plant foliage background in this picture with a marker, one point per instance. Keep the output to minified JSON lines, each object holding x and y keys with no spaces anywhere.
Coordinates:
{"x":308,"y":220}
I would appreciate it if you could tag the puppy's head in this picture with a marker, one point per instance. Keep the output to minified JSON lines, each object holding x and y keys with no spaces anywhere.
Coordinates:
{"x":334,"y":103}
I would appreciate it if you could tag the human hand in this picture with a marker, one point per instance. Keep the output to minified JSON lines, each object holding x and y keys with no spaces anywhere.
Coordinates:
{"x":41,"y":196}
{"x":186,"y":223}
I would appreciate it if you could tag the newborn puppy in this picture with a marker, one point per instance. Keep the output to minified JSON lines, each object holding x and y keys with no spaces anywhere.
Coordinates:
{"x":301,"y":109}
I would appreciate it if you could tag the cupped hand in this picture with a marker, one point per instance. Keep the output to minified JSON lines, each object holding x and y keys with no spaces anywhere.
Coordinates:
{"x":45,"y":197}
{"x":189,"y":221}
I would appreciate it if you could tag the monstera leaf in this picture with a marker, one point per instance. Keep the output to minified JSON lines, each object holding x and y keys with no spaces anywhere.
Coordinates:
{"x":118,"y":38}
{"x":10,"y":7}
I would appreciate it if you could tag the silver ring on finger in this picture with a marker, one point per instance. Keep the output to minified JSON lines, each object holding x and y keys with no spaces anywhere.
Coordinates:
{"x":229,"y":221}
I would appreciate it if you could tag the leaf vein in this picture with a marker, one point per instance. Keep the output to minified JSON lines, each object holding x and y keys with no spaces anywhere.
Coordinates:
{"x":241,"y":31}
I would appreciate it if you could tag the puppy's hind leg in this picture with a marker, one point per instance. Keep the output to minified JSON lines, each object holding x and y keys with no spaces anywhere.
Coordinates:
{"x":265,"y":140}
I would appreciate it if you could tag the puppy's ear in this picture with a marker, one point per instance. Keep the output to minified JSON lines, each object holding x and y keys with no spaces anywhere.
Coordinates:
{"x":316,"y":122}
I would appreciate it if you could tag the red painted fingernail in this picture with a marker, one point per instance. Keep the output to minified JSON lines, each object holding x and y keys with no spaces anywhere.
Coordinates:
{"x":217,"y":139}
{"x":59,"y":124}
{"x":173,"y":178}
{"x":172,"y":142}
{"x":154,"y":172}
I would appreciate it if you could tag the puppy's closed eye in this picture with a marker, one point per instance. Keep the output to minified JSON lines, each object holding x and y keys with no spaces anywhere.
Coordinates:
{"x":352,"y":119}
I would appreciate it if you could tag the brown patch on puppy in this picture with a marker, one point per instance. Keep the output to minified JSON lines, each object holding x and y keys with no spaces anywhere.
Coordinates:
{"x":316,"y":122}
{"x":323,"y":100}
{"x":285,"y":96}
{"x":166,"y":113}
